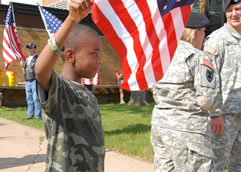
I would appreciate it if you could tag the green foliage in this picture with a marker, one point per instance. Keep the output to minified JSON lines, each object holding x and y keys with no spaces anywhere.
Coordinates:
{"x":127,"y":128}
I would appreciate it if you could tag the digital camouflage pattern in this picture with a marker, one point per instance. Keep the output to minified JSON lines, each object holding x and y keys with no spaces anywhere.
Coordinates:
{"x":73,"y":128}
{"x":183,"y":97}
{"x":224,"y":47}
{"x":178,"y":151}
{"x":188,"y":90}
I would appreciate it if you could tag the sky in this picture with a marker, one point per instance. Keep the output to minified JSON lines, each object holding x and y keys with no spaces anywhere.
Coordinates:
{"x":32,"y":2}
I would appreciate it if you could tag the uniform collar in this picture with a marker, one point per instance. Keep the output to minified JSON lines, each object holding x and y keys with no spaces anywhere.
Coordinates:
{"x":231,"y":31}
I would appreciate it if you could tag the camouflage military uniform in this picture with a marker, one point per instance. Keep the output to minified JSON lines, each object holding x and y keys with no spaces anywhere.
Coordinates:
{"x":224,"y":47}
{"x":73,"y":127}
{"x":181,"y":135}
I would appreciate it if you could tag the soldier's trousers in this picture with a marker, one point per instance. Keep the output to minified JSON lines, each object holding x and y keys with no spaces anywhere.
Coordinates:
{"x":177,"y":151}
{"x":227,"y":147}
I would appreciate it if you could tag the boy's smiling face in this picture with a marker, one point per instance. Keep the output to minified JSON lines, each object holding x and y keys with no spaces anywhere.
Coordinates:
{"x":88,"y":57}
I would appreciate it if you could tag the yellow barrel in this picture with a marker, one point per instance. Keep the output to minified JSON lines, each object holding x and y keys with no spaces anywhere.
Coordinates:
{"x":11,"y":78}
{"x":1,"y":77}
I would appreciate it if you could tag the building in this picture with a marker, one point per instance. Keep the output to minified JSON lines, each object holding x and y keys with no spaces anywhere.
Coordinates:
{"x":30,"y":28}
{"x":61,"y":4}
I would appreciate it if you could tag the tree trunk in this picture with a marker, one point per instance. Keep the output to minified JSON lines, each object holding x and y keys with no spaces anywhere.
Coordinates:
{"x":202,"y":6}
{"x":138,"y":98}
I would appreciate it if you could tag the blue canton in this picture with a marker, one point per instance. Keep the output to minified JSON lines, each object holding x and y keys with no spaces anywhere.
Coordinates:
{"x":52,"y":23}
{"x":9,"y":18}
{"x":165,"y":6}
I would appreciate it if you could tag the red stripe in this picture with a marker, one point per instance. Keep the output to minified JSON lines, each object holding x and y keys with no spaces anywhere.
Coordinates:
{"x":171,"y":33}
{"x":13,"y":45}
{"x":91,"y":82}
{"x":130,"y":26}
{"x":7,"y":43}
{"x":108,"y":30}
{"x":153,"y":37}
{"x":83,"y":81}
{"x":185,"y":10}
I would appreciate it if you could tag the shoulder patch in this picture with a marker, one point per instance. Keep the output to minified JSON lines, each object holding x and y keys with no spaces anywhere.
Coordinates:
{"x":210,"y":50}
{"x":207,"y":63}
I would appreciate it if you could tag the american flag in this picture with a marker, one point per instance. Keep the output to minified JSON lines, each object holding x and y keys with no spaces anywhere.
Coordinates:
{"x":144,"y":33}
{"x":52,"y":25}
{"x":51,"y":22}
{"x":93,"y":81}
{"x":11,"y":46}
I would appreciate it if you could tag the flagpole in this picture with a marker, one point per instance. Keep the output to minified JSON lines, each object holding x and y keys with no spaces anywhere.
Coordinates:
{"x":45,"y":24}
{"x":16,"y":30}
{"x":14,"y":18}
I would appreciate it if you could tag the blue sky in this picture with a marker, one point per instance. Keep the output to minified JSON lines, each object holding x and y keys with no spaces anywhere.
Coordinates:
{"x":32,"y":2}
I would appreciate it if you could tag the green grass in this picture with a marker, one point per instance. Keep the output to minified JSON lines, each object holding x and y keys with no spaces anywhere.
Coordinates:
{"x":127,"y":128}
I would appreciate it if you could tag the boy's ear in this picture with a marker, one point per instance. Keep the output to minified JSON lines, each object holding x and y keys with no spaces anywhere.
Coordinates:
{"x":69,"y":55}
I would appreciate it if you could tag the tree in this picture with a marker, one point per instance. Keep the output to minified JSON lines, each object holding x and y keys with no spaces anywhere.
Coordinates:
{"x":202,"y":6}
{"x":139,"y":97}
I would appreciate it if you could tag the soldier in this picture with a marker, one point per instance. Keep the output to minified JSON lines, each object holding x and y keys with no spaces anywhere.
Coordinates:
{"x":224,"y":47}
{"x":181,"y":134}
{"x":72,"y":121}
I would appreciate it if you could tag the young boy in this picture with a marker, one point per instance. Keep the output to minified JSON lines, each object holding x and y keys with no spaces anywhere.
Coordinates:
{"x":72,"y":121}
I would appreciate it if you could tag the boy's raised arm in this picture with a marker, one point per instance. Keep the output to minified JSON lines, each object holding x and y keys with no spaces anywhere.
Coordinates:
{"x":78,"y":9}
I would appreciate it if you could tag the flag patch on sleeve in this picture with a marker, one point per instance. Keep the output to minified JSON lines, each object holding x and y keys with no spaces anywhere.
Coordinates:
{"x":210,"y":50}
{"x":207,"y":63}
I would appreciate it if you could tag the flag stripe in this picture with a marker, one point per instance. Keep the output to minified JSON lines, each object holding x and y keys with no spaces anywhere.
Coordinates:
{"x":92,"y":81}
{"x":137,"y":71}
{"x":151,"y":75}
{"x":103,"y":22}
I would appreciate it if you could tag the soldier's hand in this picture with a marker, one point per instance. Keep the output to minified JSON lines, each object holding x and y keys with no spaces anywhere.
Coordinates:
{"x":79,"y":9}
{"x":217,"y":124}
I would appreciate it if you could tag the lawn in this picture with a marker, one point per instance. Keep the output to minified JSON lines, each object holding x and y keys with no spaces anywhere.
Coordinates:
{"x":127,"y":128}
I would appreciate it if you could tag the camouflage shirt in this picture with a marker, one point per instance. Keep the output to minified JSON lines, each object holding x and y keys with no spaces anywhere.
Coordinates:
{"x":73,"y":127}
{"x":224,"y":47}
{"x":187,"y":91}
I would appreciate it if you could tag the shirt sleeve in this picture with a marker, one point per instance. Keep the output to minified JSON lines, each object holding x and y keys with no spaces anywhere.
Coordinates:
{"x":214,"y":50}
{"x":49,"y":99}
{"x":206,"y":81}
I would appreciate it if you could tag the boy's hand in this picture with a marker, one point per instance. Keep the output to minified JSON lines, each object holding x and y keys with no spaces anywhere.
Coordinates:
{"x":79,"y":9}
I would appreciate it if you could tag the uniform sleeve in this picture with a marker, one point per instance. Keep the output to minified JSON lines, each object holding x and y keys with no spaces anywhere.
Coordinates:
{"x":214,"y":49}
{"x":206,"y":81}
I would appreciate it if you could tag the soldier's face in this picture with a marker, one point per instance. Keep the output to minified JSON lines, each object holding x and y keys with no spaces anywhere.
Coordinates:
{"x":233,"y":15}
{"x":200,"y":35}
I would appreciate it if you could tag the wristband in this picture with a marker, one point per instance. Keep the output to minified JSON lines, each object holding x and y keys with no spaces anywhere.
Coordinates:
{"x":53,"y":46}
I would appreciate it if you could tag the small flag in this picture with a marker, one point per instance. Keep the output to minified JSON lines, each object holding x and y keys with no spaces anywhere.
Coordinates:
{"x":207,"y":63}
{"x":93,"y":81}
{"x":51,"y":22}
{"x":11,"y":45}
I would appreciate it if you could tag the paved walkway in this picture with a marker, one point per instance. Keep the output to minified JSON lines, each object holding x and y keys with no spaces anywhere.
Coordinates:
{"x":22,"y":149}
